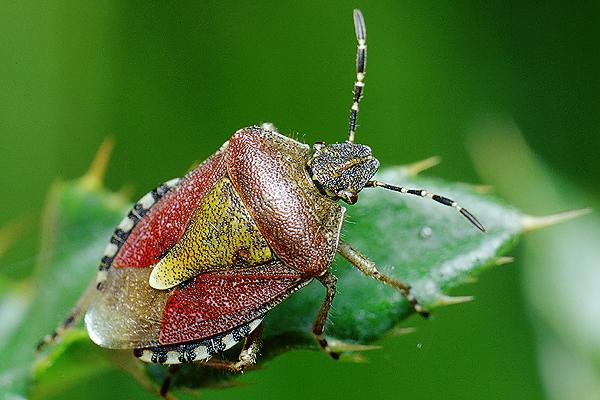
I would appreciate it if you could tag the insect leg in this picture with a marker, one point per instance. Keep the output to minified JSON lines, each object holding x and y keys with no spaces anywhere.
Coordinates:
{"x":369,"y":268}
{"x":74,"y":316}
{"x":329,"y":281}
{"x":250,"y":350}
{"x":166,"y":383}
{"x":247,"y":356}
{"x":435,"y":197}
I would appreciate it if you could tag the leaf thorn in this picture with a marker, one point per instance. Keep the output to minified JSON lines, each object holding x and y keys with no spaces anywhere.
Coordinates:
{"x":445,"y":300}
{"x":339,"y":346}
{"x":483,"y":189}
{"x":532,"y":223}
{"x":401,"y":331}
{"x":503,"y":260}
{"x":420,"y":166}
{"x":94,"y":176}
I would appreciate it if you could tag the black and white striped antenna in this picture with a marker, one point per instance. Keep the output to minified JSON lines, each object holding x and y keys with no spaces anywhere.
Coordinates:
{"x":361,"y":64}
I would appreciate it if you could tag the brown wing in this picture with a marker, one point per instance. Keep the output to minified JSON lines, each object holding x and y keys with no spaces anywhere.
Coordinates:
{"x":127,"y":313}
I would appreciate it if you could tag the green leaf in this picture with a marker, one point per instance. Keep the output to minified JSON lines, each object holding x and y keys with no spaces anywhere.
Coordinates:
{"x":79,"y":215}
{"x":416,"y":240}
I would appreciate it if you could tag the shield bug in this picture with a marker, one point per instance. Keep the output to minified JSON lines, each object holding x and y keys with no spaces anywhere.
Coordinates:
{"x":196,"y":264}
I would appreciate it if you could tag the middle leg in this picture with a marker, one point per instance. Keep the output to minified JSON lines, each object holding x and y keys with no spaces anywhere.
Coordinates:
{"x":329,"y":281}
{"x":369,"y":268}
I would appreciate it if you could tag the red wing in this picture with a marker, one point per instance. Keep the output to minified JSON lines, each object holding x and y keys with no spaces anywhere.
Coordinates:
{"x":214,"y":303}
{"x":164,"y":224}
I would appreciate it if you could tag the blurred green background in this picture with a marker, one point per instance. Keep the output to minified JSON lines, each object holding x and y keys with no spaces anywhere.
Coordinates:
{"x":170,"y":82}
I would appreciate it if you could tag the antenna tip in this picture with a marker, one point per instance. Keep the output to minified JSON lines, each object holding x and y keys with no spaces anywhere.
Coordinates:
{"x":359,"y":25}
{"x":472,"y":219}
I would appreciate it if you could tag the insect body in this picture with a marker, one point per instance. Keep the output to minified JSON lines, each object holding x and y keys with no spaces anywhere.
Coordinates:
{"x":231,"y":240}
{"x":197,"y":263}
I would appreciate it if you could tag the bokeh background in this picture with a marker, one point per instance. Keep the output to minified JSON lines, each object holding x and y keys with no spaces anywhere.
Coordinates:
{"x":170,"y":82}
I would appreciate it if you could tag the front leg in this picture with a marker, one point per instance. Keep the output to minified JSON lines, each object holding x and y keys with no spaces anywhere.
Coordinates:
{"x":369,"y":268}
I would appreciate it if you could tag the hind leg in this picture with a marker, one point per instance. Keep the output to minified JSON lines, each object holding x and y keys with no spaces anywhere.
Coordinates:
{"x":74,"y":316}
{"x":202,"y":351}
{"x":247,"y":355}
